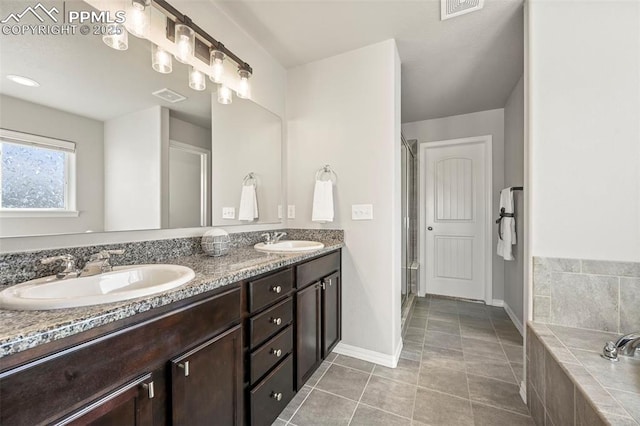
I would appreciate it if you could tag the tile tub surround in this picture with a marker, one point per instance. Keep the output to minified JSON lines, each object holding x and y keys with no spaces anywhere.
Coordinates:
{"x":590,"y":294}
{"x":24,"y":266}
{"x":22,"y":330}
{"x":570,"y":384}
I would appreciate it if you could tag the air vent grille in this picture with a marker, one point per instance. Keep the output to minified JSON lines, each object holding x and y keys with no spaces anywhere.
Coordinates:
{"x":169,"y":95}
{"x":453,"y":8}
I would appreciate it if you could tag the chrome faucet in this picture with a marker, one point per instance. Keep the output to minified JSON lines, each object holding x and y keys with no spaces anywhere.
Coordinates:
{"x":99,"y":263}
{"x":67,"y":262}
{"x":627,"y":345}
{"x":273,"y":238}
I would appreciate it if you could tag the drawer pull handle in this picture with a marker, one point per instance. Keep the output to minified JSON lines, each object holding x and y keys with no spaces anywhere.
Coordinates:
{"x":185,"y":367}
{"x":276,"y":321}
{"x":276,"y":395}
{"x":276,"y":352}
{"x":150,"y":389}
{"x":276,"y":289}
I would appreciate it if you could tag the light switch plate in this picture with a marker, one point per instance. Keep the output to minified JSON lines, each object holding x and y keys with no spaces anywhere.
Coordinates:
{"x":362,"y":212}
{"x":228,"y":212}
{"x":291,"y":211}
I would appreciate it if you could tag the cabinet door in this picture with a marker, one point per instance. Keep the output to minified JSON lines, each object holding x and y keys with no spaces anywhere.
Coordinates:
{"x":331,"y":313}
{"x":129,"y":405}
{"x":206,"y":382}
{"x":308,"y":323}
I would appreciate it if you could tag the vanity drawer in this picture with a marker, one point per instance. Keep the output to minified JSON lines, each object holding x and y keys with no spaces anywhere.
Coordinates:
{"x":269,"y":289}
{"x":268,"y":323}
{"x":315,"y":270}
{"x":272,"y":395}
{"x":263,"y":359}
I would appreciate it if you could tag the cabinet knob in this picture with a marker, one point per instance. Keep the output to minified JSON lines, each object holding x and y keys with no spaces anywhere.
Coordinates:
{"x":185,"y":367}
{"x":276,"y":321}
{"x":276,"y":289}
{"x":276,"y":395}
{"x":151,"y":392}
{"x":276,"y":352}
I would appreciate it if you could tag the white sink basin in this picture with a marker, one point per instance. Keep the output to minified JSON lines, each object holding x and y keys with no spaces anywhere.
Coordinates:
{"x":123,"y":283}
{"x":289,"y":246}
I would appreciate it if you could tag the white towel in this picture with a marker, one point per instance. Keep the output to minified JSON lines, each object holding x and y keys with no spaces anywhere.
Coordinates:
{"x":508,"y":226}
{"x":248,"y":203}
{"x":323,"y":201}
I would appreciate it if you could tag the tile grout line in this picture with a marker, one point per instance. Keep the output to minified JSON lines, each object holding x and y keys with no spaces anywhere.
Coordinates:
{"x":360,"y":399}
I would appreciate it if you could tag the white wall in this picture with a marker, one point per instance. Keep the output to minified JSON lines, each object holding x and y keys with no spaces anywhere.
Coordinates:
{"x":23,"y":116}
{"x":132,"y":180}
{"x":344,"y":111}
{"x":514,"y":176}
{"x":469,"y":125}
{"x":184,"y":132}
{"x":585,"y":132}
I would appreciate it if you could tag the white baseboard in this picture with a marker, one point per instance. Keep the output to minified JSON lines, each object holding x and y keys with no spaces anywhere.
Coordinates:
{"x":368,"y":355}
{"x":497,"y":302}
{"x":523,"y":391}
{"x":514,"y":319}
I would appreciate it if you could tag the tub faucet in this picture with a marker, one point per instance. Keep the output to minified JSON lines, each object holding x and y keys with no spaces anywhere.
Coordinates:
{"x":627,"y":345}
{"x":99,"y":263}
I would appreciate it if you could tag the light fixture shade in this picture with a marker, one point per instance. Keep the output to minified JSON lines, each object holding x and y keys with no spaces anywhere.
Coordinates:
{"x":185,"y":42}
{"x":119,"y":40}
{"x":225,"y":96}
{"x":244,"y":89}
{"x":197,"y":80}
{"x":139,"y":18}
{"x":161,"y":60}
{"x":217,"y":66}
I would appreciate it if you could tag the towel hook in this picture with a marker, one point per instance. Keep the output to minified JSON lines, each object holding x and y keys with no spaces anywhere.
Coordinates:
{"x":325,"y":170}
{"x":250,"y":179}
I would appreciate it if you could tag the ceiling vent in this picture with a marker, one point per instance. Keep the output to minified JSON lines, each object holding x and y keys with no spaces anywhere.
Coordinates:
{"x":453,"y":8}
{"x":169,"y":95}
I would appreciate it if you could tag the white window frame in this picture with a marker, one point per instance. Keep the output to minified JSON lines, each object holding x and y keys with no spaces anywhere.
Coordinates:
{"x":21,"y":138}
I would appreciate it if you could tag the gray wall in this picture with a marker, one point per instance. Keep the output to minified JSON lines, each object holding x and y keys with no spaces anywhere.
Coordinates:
{"x":87,"y":134}
{"x":463,"y":126}
{"x":514,"y":176}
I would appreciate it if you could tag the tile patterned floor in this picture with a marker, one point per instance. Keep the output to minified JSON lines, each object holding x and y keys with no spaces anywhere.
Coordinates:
{"x":461,"y":365}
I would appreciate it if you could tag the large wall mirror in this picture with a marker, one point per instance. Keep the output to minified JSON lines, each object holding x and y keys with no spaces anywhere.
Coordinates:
{"x":102,"y":144}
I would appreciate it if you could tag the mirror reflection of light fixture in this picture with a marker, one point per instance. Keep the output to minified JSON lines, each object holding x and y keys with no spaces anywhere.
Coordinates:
{"x":244,"y":90}
{"x":225,"y":96}
{"x":197,"y":80}
{"x":185,"y":42}
{"x":138,"y":18}
{"x":119,"y":40}
{"x":161,"y":60}
{"x":217,"y":65}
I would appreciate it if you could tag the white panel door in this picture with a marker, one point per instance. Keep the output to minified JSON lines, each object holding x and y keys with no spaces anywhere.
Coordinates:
{"x":455,"y":220}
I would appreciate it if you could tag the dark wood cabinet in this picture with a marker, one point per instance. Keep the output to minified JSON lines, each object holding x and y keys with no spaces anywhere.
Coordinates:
{"x":206,"y":382}
{"x":331,"y":313}
{"x":308,"y":339}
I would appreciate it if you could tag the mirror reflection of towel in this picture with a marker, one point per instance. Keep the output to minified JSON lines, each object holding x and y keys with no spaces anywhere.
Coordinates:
{"x":322,"y":202}
{"x":248,"y":203}
{"x":507,"y":226}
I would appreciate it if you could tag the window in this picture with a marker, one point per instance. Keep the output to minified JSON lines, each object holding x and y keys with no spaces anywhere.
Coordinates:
{"x":37,"y":176}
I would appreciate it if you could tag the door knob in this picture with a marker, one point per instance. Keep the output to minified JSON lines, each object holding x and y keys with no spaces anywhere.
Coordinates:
{"x":430,"y":228}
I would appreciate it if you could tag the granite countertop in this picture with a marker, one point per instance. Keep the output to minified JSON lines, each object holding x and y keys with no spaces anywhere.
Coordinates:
{"x":22,"y":330}
{"x":612,"y":387}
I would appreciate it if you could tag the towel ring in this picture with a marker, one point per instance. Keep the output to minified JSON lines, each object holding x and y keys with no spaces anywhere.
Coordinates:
{"x":250,"y":179}
{"x":326,"y":171}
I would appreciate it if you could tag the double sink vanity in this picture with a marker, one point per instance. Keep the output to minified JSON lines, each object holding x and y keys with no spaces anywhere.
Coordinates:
{"x":230,"y":346}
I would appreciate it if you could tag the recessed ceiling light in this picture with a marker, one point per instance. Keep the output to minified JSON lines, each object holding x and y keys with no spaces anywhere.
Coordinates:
{"x":23,"y":80}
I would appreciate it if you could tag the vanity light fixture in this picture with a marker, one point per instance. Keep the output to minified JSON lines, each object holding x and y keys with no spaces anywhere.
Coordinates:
{"x":217,"y":64}
{"x":138,"y":17}
{"x":119,"y":40}
{"x":23,"y":80}
{"x":244,"y":90}
{"x":197,"y":80}
{"x":161,"y":60}
{"x":185,"y":43}
{"x":225,"y":96}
